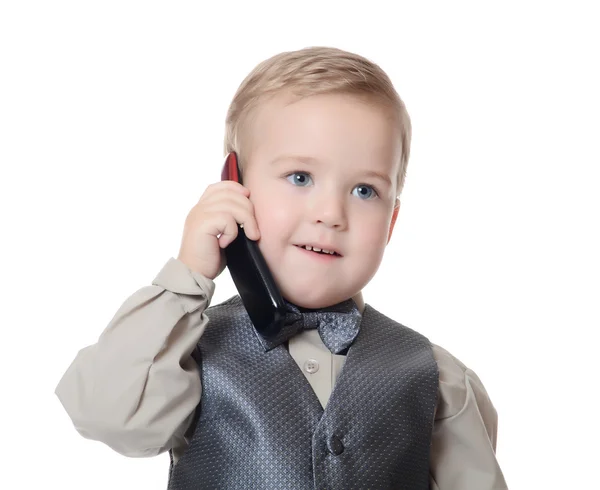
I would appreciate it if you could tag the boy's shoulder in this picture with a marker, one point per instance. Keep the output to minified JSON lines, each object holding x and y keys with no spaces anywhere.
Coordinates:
{"x":223,"y":312}
{"x":450,"y":365}
{"x":442,"y":355}
{"x":454,"y":376}
{"x":456,"y":381}
{"x":225,"y":303}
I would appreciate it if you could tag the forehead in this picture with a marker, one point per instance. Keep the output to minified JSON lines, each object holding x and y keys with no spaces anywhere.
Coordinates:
{"x":329,"y":127}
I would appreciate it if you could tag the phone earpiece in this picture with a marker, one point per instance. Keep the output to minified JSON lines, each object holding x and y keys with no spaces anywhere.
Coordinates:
{"x":231,"y":169}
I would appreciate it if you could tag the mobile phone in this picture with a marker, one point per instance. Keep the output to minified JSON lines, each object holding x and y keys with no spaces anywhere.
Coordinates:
{"x":252,"y":278}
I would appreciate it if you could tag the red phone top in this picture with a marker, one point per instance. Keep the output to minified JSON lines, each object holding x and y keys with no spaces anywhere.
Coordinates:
{"x":231,"y":169}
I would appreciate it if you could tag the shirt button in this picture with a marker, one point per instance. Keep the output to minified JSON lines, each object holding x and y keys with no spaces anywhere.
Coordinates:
{"x":335,"y":446}
{"x":311,"y":366}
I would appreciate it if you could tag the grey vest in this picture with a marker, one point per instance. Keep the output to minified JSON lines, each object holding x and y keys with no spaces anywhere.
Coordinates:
{"x":261,"y":426}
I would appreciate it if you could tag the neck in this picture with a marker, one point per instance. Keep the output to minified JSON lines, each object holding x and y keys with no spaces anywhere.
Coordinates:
{"x":358,"y":299}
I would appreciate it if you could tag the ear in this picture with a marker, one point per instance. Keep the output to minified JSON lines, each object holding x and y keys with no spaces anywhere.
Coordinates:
{"x":394,"y":217}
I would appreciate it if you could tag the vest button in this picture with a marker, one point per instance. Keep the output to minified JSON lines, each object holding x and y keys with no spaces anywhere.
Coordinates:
{"x":335,"y":446}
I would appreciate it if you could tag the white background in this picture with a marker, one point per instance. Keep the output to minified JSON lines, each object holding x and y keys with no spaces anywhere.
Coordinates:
{"x":111,"y":126}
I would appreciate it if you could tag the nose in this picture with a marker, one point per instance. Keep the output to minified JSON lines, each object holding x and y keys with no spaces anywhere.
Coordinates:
{"x":329,"y":208}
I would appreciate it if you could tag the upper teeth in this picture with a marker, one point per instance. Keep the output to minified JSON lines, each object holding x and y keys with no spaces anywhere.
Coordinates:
{"x":308,"y":247}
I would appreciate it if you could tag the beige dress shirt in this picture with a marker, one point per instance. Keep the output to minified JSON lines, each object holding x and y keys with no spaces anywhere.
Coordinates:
{"x":136,"y":389}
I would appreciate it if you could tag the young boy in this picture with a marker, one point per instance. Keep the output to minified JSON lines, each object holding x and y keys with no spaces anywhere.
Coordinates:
{"x":323,"y":140}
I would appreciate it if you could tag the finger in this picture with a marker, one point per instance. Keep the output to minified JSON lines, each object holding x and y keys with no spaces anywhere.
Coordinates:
{"x":225,"y":185}
{"x":229,"y":232}
{"x":223,"y":196}
{"x":242,"y":211}
{"x":250,"y":228}
{"x":222,"y":226}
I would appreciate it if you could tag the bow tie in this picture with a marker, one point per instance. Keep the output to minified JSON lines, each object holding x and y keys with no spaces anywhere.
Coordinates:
{"x":338,"y":325}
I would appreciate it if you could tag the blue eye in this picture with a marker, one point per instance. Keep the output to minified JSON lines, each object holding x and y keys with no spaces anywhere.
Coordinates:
{"x":303,"y":179}
{"x":365,"y":191}
{"x":299,"y":178}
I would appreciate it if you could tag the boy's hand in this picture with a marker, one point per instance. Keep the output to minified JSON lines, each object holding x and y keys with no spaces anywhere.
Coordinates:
{"x":212,"y":224}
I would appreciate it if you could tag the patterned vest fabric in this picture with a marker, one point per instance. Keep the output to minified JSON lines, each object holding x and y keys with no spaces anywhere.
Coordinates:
{"x":260,"y":425}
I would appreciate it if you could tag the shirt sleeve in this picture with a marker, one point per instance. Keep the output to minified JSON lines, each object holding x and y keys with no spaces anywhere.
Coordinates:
{"x":137,"y":388}
{"x":463,"y":448}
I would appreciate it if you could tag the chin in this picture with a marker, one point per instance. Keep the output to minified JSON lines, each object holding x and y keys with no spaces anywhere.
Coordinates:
{"x":312,"y":298}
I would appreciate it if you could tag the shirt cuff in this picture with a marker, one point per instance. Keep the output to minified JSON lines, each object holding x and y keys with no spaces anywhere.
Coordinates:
{"x":178,"y":278}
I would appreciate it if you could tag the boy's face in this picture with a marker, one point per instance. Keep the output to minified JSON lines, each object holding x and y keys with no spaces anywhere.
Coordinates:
{"x":310,"y":169}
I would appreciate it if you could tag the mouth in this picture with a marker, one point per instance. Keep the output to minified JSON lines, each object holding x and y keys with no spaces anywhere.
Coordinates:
{"x":321,"y":251}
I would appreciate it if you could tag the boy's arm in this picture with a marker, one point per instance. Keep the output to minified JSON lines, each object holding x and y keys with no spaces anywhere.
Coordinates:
{"x":463,"y":450}
{"x":136,"y":389}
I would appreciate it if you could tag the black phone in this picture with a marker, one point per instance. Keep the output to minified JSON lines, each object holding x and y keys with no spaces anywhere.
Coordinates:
{"x":251,"y":276}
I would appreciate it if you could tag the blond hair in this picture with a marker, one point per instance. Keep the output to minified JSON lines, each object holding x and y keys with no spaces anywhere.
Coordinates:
{"x":316,"y":71}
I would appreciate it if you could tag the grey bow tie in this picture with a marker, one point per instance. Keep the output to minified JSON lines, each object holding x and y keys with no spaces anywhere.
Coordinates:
{"x":338,"y":325}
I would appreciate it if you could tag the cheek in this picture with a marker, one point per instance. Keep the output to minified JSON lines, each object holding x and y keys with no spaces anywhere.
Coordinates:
{"x":270,"y":217}
{"x":372,"y":248}
{"x":274,"y":221}
{"x":373,"y":233}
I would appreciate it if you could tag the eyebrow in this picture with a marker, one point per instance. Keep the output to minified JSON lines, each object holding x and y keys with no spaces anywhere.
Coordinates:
{"x":313,"y":161}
